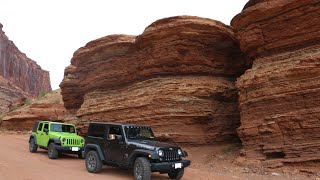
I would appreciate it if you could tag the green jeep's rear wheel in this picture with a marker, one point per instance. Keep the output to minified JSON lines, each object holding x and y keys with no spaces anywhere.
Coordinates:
{"x":33,"y":146}
{"x":52,"y":151}
{"x":141,"y":169}
{"x":93,"y":162}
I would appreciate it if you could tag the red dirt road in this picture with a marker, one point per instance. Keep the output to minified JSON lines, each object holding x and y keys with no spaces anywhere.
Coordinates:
{"x":208,"y":163}
{"x":17,"y":163}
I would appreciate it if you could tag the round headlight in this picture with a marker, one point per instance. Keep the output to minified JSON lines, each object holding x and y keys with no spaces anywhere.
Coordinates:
{"x":63,"y":139}
{"x":180,"y":152}
{"x":160,"y":153}
{"x":82,"y":140}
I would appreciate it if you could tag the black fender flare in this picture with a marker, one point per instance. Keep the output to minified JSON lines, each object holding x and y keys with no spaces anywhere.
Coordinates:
{"x":142,"y":153}
{"x":32,"y":136}
{"x":95,"y":147}
{"x":54,"y":140}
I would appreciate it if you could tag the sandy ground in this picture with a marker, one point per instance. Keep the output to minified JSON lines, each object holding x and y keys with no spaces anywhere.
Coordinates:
{"x":208,"y":163}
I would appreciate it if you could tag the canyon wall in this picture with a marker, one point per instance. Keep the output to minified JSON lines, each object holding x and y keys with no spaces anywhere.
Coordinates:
{"x":280,"y":95}
{"x":21,"y":77}
{"x":177,"y":77}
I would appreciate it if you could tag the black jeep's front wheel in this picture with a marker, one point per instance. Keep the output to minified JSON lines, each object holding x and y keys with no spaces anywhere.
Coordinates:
{"x":33,"y":146}
{"x":52,"y":151}
{"x":93,"y":162}
{"x":177,"y":174}
{"x":141,"y":169}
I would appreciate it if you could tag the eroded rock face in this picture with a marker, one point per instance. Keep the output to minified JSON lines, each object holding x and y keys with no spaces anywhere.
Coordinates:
{"x":50,"y":107}
{"x":279,"y":96}
{"x":10,"y":94}
{"x":20,"y":72}
{"x":177,"y":76}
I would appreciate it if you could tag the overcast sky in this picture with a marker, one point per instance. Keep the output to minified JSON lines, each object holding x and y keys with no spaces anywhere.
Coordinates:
{"x":50,"y":31}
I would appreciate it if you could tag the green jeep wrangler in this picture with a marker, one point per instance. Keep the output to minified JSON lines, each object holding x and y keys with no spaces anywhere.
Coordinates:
{"x":57,"y":138}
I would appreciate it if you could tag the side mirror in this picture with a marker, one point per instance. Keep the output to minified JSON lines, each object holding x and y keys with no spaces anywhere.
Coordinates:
{"x":119,"y":137}
{"x":46,"y":130}
{"x":185,"y":154}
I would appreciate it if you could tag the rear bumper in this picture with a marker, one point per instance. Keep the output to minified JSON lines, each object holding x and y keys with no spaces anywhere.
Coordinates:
{"x":165,"y":167}
{"x":69,"y":149}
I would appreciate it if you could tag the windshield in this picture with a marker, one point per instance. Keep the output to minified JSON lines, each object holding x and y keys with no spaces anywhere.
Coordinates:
{"x":62,"y":128}
{"x":141,"y":133}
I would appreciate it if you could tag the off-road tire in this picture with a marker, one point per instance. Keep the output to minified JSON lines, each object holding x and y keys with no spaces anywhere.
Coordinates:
{"x":141,"y":169}
{"x":33,"y":147}
{"x":93,"y":162}
{"x":80,"y":156}
{"x":177,"y":174}
{"x":52,"y":151}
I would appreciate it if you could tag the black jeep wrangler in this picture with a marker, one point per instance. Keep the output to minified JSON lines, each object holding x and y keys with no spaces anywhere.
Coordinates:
{"x":132,"y":147}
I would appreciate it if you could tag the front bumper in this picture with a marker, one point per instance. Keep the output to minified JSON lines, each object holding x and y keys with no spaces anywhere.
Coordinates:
{"x":69,"y":149}
{"x":165,"y":167}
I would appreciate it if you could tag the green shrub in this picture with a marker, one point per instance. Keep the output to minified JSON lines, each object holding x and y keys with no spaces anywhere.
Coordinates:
{"x":14,"y":108}
{"x":42,"y":94}
{"x":27,"y":101}
{"x":229,"y":149}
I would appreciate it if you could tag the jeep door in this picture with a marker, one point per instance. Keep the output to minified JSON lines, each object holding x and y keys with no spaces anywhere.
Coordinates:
{"x":38,"y":133}
{"x":115,"y":147}
{"x":45,"y":135}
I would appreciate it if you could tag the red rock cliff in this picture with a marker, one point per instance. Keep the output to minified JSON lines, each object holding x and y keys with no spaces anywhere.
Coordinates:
{"x":177,"y":76}
{"x":280,"y":95}
{"x":19,"y":72}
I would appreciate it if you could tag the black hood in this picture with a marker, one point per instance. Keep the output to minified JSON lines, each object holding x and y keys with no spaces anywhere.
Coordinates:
{"x":154,"y":144}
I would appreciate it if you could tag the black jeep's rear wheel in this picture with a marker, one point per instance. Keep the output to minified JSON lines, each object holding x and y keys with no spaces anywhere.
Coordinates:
{"x":177,"y":174}
{"x":93,"y":162}
{"x":52,"y":151}
{"x":33,"y":146}
{"x":141,"y":169}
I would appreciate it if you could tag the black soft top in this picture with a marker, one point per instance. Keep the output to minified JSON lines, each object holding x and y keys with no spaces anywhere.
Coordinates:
{"x":118,"y":124}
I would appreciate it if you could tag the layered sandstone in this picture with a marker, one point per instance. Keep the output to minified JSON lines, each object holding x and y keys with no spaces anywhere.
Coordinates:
{"x":177,"y":76}
{"x":49,"y":107}
{"x":20,"y":72}
{"x":280,"y":95}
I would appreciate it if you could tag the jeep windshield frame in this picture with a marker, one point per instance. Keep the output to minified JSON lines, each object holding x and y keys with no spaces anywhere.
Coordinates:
{"x":62,"y":128}
{"x":139,"y":133}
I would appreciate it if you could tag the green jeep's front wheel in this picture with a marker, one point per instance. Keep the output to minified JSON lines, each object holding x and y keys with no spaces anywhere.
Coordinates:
{"x":52,"y":151}
{"x":93,"y":162}
{"x":141,"y":169}
{"x":80,"y":156}
{"x":33,"y":146}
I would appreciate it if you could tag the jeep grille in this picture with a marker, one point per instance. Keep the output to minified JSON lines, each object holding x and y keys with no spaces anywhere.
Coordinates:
{"x":73,"y":141}
{"x":171,"y":155}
